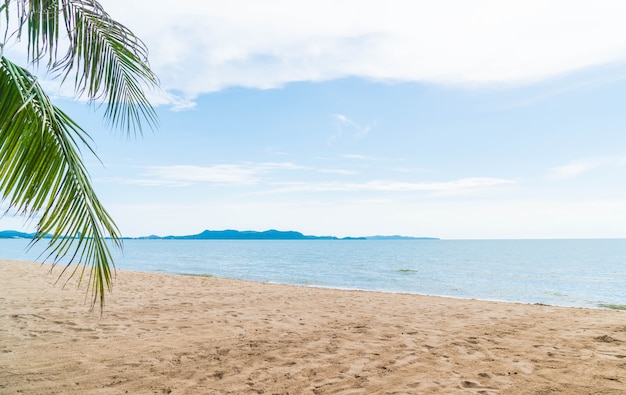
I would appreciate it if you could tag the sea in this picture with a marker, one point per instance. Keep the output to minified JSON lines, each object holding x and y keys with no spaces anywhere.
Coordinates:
{"x":573,"y":273}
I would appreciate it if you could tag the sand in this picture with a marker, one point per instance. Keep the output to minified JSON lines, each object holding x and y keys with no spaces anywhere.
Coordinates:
{"x":168,"y":334}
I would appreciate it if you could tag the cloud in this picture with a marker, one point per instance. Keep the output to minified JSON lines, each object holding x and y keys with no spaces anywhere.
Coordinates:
{"x":206,"y":46}
{"x":455,"y":186}
{"x":56,"y":89}
{"x":336,"y":171}
{"x":359,"y":157}
{"x":269,"y":178}
{"x":358,"y":131}
{"x":345,"y":124}
{"x":184,"y":175}
{"x":573,"y":169}
{"x":579,"y":167}
{"x":368,"y":158}
{"x":242,"y":174}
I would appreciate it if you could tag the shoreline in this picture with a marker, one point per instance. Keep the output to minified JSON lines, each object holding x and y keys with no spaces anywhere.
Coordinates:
{"x":618,"y":307}
{"x":566,"y":274}
{"x":597,"y":306}
{"x":187,"y":334}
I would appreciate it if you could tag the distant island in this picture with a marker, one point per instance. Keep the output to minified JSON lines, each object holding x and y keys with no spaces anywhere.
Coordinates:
{"x":230,"y":234}
{"x":13,"y":234}
{"x":272,"y":234}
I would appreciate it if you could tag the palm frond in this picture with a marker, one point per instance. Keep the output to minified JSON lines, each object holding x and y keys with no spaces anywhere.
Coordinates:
{"x":109,"y":63}
{"x":41,"y":172}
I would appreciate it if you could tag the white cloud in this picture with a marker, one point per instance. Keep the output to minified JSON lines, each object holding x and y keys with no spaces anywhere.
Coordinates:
{"x":573,"y":169}
{"x":360,"y":157}
{"x":463,"y":184}
{"x":347,"y":128}
{"x":358,"y":131}
{"x":218,"y":174}
{"x":449,"y":187}
{"x":579,"y":167}
{"x":270,"y":178}
{"x":204,"y":46}
{"x":336,"y":171}
{"x":57,"y":89}
{"x":221,"y":174}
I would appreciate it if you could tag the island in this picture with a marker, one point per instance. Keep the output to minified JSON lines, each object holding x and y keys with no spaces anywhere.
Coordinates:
{"x":230,"y":234}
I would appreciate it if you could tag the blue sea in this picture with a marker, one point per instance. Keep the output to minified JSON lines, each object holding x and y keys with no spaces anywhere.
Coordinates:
{"x":580,"y":273}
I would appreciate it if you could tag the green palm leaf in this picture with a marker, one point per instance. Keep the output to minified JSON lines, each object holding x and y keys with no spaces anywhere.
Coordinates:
{"x":41,"y":170}
{"x":108,"y":61}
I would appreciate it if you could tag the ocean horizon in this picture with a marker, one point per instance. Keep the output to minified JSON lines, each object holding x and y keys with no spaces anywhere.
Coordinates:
{"x":588,"y":273}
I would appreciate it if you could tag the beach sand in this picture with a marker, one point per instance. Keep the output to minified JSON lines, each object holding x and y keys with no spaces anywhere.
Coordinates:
{"x":168,"y":334}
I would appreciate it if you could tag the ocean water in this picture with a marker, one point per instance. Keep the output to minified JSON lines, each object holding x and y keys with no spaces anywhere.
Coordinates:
{"x":580,"y":273}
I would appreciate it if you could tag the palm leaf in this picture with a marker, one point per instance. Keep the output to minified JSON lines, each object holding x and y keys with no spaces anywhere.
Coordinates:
{"x":41,"y":173}
{"x":109,"y":63}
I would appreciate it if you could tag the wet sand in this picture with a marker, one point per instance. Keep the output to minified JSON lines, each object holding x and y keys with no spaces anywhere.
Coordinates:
{"x":167,"y":334}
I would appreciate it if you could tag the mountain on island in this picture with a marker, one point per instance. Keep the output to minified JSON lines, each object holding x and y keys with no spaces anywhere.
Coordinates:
{"x":230,"y":234}
{"x":272,"y":234}
{"x":13,"y":234}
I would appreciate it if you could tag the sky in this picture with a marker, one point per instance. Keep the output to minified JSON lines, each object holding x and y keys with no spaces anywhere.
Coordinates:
{"x":450,"y":119}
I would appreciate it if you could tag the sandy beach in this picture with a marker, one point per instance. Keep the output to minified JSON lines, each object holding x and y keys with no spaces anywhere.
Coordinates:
{"x":168,"y":334}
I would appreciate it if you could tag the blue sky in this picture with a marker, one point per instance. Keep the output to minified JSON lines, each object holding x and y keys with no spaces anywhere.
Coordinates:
{"x":459,"y":120}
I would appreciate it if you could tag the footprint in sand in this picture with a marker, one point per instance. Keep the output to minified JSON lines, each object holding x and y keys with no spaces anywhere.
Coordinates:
{"x":471,"y":385}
